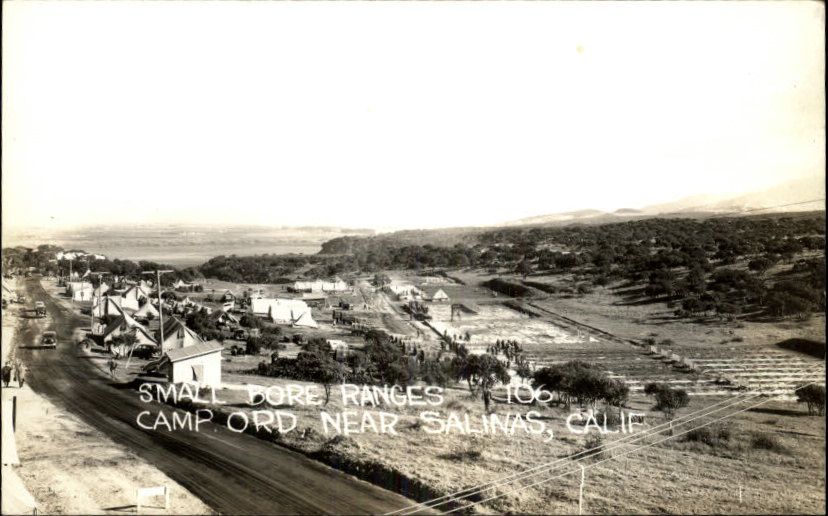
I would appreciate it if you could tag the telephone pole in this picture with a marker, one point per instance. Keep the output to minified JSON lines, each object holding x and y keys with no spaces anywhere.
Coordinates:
{"x":92,"y":310}
{"x":158,"y":274}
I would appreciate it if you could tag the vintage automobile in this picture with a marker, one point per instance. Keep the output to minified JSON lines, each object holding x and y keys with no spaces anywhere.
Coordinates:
{"x":48,"y":339}
{"x":40,"y":309}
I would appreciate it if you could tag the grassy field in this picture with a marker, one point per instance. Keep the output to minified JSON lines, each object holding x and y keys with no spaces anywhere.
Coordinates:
{"x":768,"y":448}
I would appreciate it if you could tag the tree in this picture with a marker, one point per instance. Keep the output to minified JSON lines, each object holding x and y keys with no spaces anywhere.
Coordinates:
{"x":697,"y":280}
{"x":814,"y":397}
{"x":381,"y":280}
{"x":522,"y":367}
{"x":436,"y":372}
{"x":316,"y":364}
{"x":250,"y":321}
{"x":669,"y":400}
{"x":552,"y":380}
{"x":760,"y":265}
{"x":524,"y":268}
{"x":482,"y":372}
{"x":328,"y":372}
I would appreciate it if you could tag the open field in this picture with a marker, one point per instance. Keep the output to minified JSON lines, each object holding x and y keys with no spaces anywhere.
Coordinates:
{"x":677,"y":476}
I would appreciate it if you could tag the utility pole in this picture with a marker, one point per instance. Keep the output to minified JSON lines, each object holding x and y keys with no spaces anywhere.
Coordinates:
{"x":92,"y":311}
{"x":158,"y":274}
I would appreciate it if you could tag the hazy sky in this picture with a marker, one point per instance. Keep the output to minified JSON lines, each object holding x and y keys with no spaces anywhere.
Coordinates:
{"x":399,"y":114}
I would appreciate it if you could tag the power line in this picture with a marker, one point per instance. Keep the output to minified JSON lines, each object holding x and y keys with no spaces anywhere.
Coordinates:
{"x":543,"y":468}
{"x":627,"y":452}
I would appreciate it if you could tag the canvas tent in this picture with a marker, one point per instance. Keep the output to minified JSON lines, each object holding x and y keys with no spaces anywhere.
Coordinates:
{"x":113,"y":306}
{"x":136,"y":293}
{"x":177,"y":335}
{"x":284,"y":311}
{"x":435,"y":295}
{"x":8,"y":293}
{"x":80,"y":290}
{"x":145,"y":311}
{"x":223,"y":317}
{"x":126,"y":324}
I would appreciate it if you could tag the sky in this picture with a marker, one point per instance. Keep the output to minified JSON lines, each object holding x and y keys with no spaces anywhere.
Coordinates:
{"x":399,"y":115}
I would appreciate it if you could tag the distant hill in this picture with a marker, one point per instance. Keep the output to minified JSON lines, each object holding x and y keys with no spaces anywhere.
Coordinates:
{"x":569,"y":216}
{"x":791,"y":196}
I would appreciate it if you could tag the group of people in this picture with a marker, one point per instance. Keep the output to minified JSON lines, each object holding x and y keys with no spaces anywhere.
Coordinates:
{"x":14,"y":371}
{"x":510,"y":348}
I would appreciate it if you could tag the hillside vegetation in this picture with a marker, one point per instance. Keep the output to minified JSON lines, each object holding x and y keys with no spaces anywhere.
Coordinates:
{"x":763,"y":266}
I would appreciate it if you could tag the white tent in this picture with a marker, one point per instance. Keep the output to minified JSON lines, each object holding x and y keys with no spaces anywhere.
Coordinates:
{"x":113,"y":306}
{"x":336,"y":285}
{"x":177,"y":335}
{"x":126,"y":324}
{"x":145,"y":310}
{"x":284,"y":311}
{"x":136,"y":292}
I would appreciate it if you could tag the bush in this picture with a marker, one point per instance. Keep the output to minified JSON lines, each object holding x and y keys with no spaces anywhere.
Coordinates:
{"x":250,"y":321}
{"x":613,"y":418}
{"x":814,"y":397}
{"x":713,"y":436}
{"x":669,"y":400}
{"x":767,"y":442}
{"x":594,"y":446}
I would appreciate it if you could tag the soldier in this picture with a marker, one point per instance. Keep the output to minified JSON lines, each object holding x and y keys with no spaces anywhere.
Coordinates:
{"x":7,"y":371}
{"x":21,"y":376}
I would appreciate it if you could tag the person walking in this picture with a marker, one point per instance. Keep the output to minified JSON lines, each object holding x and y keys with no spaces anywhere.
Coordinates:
{"x":21,"y":376}
{"x":112,"y":367}
{"x":17,"y":371}
{"x":7,"y":372}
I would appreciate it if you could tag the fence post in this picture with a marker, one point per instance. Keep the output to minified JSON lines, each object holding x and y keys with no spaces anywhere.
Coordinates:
{"x":581,"y":492}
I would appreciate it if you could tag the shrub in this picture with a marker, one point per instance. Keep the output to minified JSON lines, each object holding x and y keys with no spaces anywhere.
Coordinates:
{"x":669,"y":400}
{"x":767,"y":442}
{"x":594,"y":446}
{"x":713,"y":436}
{"x":814,"y":397}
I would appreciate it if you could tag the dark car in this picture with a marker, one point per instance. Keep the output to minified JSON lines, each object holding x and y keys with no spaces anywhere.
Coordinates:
{"x":48,"y":339}
{"x":145,"y":352}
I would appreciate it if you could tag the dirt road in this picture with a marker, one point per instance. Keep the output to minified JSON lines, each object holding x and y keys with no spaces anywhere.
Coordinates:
{"x":232,"y":473}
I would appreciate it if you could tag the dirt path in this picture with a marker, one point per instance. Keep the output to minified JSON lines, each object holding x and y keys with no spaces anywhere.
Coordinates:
{"x":231,"y":473}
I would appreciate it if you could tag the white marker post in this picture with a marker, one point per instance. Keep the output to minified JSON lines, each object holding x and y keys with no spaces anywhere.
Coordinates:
{"x":151,"y":492}
{"x":581,"y":491}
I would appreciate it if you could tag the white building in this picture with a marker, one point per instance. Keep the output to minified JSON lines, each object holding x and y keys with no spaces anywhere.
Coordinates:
{"x":200,"y":364}
{"x":284,"y":311}
{"x":80,"y":290}
{"x":403,"y":292}
{"x":335,"y":285}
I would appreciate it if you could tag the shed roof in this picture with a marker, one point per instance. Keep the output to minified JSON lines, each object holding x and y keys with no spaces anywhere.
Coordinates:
{"x":196,"y":350}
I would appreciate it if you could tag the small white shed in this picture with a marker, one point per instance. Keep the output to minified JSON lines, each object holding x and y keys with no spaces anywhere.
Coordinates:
{"x":199,"y":363}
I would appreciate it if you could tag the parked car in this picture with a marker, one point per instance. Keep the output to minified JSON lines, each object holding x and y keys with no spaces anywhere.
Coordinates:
{"x":48,"y":339}
{"x":146,"y":352}
{"x":40,"y":309}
